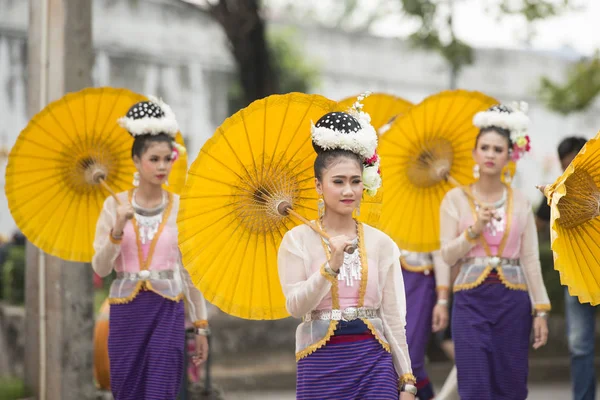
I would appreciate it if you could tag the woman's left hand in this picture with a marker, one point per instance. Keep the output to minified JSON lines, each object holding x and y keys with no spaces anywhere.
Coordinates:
{"x":407,"y":396}
{"x":201,"y":350}
{"x":440,"y":318}
{"x":540,"y":331}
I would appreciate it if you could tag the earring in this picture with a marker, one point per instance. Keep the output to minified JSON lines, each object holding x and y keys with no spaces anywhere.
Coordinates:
{"x":358,"y":211}
{"x":321,"y":207}
{"x":507,"y":177}
{"x":136,"y":179}
{"x":476,"y":171}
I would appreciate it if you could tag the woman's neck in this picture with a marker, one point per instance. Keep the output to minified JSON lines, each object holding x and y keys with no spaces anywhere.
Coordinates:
{"x":489,"y":187}
{"x":148,"y":195}
{"x":339,"y":224}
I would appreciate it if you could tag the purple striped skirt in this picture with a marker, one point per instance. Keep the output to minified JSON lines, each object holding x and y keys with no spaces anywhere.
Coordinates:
{"x":491,"y":328}
{"x":348,"y":369}
{"x":145,"y":346}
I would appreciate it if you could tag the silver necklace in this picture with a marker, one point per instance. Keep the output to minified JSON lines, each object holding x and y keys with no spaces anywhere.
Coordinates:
{"x":148,"y":220}
{"x":496,"y":224}
{"x":351,"y":268}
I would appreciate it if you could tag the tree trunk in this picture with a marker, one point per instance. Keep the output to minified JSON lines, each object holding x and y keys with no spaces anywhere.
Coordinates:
{"x":245,"y":29}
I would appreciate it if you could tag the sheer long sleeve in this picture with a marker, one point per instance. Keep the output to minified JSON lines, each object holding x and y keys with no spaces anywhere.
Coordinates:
{"x":106,"y":248}
{"x":195,"y":300}
{"x":302,"y":293}
{"x":530,"y":261}
{"x":442,"y":271}
{"x":455,"y":244}
{"x":393,"y":312}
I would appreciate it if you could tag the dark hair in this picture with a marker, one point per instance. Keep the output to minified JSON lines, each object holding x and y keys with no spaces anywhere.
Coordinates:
{"x":142,"y":142}
{"x":326,"y":158}
{"x":505,"y":133}
{"x":571,"y":144}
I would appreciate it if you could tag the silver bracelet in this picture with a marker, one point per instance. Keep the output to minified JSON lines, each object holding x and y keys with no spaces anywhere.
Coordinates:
{"x":202,"y":331}
{"x":331,"y":272}
{"x":408,"y":388}
{"x":442,"y":302}
{"x":541,"y":314}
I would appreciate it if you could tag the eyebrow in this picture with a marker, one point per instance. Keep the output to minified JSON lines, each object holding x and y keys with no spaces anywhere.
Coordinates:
{"x":344,"y":176}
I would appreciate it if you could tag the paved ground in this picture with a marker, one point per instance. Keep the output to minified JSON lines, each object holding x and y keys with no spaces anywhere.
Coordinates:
{"x":536,"y":392}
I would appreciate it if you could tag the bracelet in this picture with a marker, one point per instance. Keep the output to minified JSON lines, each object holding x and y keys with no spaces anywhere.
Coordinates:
{"x":331,"y":272}
{"x":442,"y":302}
{"x":409,"y":388}
{"x":472,"y":234}
{"x":541,"y":314}
{"x":202,"y":331}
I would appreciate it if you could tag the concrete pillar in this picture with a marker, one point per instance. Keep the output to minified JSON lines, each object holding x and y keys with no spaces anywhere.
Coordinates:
{"x":60,"y":60}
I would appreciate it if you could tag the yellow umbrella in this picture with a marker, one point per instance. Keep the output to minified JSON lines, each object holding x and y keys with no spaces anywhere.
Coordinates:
{"x":574,"y":201}
{"x":230,"y":220}
{"x":60,"y":159}
{"x":382,"y":107}
{"x":425,"y":153}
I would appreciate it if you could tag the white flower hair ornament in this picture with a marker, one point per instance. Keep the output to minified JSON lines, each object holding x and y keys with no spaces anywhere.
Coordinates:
{"x":351,"y":131}
{"x":152,"y":117}
{"x":514,"y":119}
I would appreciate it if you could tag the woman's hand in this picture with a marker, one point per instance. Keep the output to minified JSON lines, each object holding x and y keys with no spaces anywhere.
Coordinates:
{"x":540,"y":332}
{"x":124,"y":213}
{"x":484,"y":216}
{"x":440,"y":318}
{"x":337,"y":245}
{"x":407,"y":396}
{"x":201,"y":350}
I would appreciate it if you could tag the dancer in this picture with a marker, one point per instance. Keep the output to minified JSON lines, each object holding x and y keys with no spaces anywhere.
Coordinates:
{"x":352,"y":342}
{"x":489,"y":228}
{"x":137,"y":237}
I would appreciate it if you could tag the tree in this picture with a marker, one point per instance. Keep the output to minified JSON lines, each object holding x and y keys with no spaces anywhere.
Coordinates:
{"x":580,"y":90}
{"x":294,"y":71}
{"x":244,"y":26}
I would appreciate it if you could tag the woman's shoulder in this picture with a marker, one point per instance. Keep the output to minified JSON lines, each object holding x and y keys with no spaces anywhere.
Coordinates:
{"x":456,"y":193}
{"x":381,"y":237}
{"x":519,"y":198}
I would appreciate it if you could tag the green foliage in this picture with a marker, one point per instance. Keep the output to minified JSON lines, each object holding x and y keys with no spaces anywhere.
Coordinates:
{"x":12,"y":389}
{"x":13,"y":272}
{"x":295,"y":72}
{"x":534,"y":10}
{"x":579,"y":91}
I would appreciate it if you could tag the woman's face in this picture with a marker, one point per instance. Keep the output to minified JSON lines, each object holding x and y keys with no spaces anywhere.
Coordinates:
{"x":491,"y":153}
{"x":341,"y":186}
{"x":156,"y":162}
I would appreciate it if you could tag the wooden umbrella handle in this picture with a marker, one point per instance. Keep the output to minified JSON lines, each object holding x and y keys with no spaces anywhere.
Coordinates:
{"x":285,"y":208}
{"x":99,"y":176}
{"x":112,"y":192}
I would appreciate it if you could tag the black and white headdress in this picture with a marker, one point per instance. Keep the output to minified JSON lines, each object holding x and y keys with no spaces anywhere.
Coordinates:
{"x":151,"y":117}
{"x":351,"y":131}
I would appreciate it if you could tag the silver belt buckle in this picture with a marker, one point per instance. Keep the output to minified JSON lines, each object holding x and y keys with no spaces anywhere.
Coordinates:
{"x":494,"y":261}
{"x":350,"y":314}
{"x":144,"y":274}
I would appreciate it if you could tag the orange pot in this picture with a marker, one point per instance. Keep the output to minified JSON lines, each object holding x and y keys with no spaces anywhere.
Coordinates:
{"x":101,"y":362}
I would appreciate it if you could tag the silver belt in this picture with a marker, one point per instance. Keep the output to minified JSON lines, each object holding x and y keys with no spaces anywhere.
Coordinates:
{"x":347,"y":314}
{"x":491,"y":261}
{"x":145,"y":275}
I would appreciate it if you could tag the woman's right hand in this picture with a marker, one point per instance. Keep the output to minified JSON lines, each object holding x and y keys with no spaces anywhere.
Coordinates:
{"x":484,"y":216}
{"x":337,"y":245}
{"x":124,"y":213}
